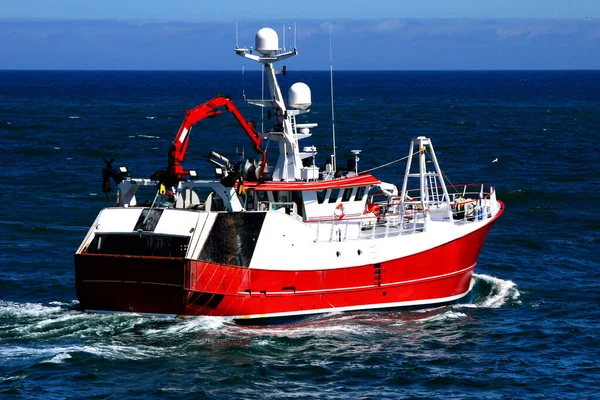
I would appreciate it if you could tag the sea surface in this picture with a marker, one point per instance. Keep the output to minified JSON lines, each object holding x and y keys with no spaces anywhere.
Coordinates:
{"x":532,"y":329}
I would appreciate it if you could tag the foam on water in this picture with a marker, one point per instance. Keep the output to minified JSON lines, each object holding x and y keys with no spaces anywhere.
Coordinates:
{"x":10,"y":309}
{"x":189,"y":325}
{"x":59,"y":319}
{"x":322,"y":327}
{"x":57,"y":333}
{"x":59,"y":358}
{"x":492,"y":292}
{"x":447,"y":315}
{"x":58,"y":354}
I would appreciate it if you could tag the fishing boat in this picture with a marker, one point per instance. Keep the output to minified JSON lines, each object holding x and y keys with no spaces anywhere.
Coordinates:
{"x":266,"y":244}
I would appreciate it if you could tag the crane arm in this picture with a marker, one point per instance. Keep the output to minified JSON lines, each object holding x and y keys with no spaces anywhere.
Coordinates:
{"x":175,"y":172}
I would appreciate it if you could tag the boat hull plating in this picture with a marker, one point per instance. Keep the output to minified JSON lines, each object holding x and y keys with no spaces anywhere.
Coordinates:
{"x":175,"y":286}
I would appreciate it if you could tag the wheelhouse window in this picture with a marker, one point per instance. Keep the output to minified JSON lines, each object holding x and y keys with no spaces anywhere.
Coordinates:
{"x":283,"y":197}
{"x":273,"y":196}
{"x":262,"y":196}
{"x":249,"y":203}
{"x":347,"y":194}
{"x":360,"y":193}
{"x":334,"y":195}
{"x":297,"y":199}
{"x":321,"y":195}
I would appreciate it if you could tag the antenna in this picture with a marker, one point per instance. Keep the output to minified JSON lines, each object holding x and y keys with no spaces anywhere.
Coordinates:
{"x":262,"y":109}
{"x":237,"y":45}
{"x":283,"y":37}
{"x":331,"y":84}
{"x":294,"y":36}
{"x":243,"y":84}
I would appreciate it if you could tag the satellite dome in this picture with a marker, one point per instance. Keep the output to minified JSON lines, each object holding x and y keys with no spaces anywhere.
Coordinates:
{"x":299,"y":96}
{"x":267,"y":41}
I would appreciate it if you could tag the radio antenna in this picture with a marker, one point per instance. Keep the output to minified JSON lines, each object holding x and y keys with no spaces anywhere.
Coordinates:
{"x":331,"y":84}
{"x":243,"y":84}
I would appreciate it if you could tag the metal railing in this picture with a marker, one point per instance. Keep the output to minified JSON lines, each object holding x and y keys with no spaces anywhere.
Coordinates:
{"x":468,"y":204}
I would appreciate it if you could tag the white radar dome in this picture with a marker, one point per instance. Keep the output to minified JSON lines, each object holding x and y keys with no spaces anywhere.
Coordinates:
{"x":267,"y":41}
{"x":299,"y":96}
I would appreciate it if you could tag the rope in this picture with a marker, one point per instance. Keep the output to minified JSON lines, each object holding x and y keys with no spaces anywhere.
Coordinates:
{"x":445,"y":177}
{"x":404,"y":158}
{"x":390,"y":163}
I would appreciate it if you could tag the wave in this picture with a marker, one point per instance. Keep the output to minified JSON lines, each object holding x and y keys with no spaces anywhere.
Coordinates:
{"x":57,"y":354}
{"x":10,"y":309}
{"x":492,"y":292}
{"x":57,"y":332}
{"x":449,"y":314}
{"x":325,"y":326}
{"x":39,"y":332}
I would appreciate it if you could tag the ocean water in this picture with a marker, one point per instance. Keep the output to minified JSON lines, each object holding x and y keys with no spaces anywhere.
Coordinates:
{"x":530,"y":331}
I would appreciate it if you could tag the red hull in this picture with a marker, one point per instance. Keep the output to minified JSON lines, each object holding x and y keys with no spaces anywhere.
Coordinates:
{"x":157,"y":285}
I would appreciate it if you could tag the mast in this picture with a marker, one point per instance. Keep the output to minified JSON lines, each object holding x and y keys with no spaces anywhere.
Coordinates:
{"x":289,"y":164}
{"x":430,"y":182}
{"x":334,"y":161}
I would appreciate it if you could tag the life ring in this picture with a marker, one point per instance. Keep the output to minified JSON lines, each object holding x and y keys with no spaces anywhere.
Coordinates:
{"x":373,"y":207}
{"x":339,"y":211}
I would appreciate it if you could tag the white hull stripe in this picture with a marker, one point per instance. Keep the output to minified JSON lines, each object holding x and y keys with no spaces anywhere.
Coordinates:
{"x":362,"y":307}
{"x":345,"y":289}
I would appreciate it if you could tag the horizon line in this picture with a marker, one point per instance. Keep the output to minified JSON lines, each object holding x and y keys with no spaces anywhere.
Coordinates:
{"x":307,"y":70}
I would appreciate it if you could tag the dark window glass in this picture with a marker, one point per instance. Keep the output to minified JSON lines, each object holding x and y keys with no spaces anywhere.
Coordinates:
{"x":262,"y":196}
{"x":297,"y":198}
{"x":334,"y":195}
{"x":347,"y":194}
{"x":321,"y":195}
{"x":360,"y":192}
{"x":139,"y":245}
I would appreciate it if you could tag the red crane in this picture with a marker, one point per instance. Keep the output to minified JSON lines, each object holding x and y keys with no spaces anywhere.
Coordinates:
{"x":175,"y":172}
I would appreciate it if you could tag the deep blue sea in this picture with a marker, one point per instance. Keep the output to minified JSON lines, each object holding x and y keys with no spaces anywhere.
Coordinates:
{"x":532,"y":329}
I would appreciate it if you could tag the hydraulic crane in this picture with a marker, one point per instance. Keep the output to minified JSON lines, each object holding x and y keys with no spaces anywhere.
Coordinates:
{"x":213,"y":107}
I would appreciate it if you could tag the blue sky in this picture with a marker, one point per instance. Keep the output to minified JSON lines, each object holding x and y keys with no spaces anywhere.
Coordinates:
{"x":312,"y":9}
{"x":366,"y":35}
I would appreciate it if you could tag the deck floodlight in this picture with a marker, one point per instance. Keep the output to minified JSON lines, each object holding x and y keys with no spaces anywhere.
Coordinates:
{"x":124,"y":171}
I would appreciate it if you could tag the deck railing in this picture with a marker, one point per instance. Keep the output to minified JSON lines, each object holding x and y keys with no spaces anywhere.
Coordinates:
{"x":468,"y":204}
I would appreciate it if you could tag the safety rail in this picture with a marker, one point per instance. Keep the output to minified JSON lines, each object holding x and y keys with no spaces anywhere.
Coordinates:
{"x":469,"y":203}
